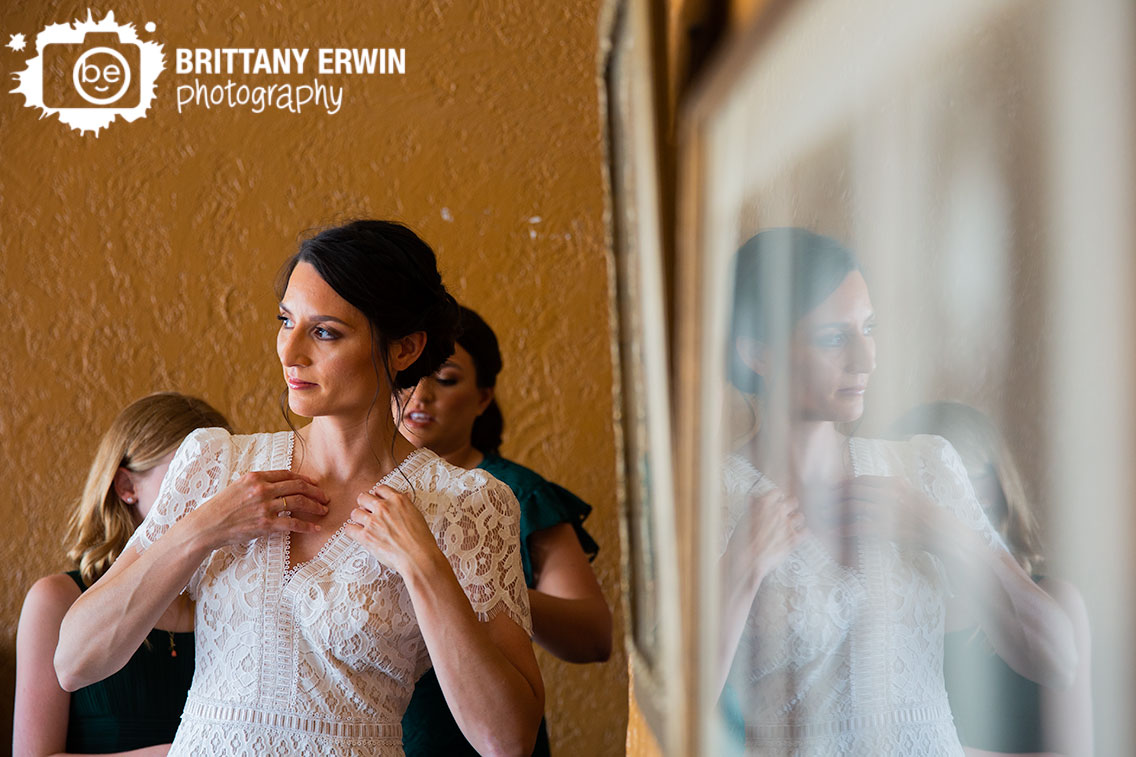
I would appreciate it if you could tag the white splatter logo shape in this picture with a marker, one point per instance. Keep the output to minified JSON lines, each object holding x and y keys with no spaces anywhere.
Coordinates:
{"x":90,"y":72}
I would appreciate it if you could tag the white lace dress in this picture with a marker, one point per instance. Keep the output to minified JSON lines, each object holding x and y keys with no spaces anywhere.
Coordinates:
{"x":840,"y":659}
{"x":323,"y":660}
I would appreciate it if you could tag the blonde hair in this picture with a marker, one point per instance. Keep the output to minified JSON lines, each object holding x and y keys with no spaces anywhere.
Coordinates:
{"x":143,"y":433}
{"x":983,"y":450}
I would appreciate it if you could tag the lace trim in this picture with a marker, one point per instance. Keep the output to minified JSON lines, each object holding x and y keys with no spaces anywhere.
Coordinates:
{"x":926,"y":714}
{"x":217,"y":712}
{"x":408,"y":467}
{"x":290,"y":571}
{"x":277,"y":617}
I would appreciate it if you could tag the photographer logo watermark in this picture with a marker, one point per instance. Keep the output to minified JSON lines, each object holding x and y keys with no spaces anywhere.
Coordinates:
{"x":91,"y":72}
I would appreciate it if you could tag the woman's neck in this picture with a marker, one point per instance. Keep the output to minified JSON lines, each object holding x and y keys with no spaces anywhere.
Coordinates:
{"x":808,"y":453}
{"x":338,"y":449}
{"x":817,"y":451}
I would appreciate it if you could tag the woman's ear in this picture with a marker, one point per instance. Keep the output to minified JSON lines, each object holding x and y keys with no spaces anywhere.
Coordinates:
{"x":752,"y":354}
{"x":124,"y":486}
{"x":484,"y":397}
{"x":403,"y":352}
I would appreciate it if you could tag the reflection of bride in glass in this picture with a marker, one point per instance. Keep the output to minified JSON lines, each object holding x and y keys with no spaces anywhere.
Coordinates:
{"x":844,"y":560}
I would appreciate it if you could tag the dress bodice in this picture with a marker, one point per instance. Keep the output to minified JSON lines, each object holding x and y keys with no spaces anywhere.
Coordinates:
{"x":323,"y":659}
{"x":845,"y":656}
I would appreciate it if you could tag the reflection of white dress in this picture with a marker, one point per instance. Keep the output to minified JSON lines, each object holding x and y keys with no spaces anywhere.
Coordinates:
{"x":323,"y":660}
{"x":848,"y":660}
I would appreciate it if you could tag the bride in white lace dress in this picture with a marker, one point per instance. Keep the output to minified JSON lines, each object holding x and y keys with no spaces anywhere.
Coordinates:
{"x":332,"y":565}
{"x":845,"y":560}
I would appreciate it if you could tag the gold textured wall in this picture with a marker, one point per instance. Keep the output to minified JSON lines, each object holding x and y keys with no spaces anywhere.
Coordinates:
{"x":142,"y":259}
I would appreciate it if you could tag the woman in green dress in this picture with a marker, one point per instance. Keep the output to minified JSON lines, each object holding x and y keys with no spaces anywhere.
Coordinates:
{"x":136,"y":710}
{"x":454,"y":413}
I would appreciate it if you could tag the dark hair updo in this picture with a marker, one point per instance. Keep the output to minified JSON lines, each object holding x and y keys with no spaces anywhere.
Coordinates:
{"x":476,"y":338}
{"x":784,"y":271}
{"x":385,"y":271}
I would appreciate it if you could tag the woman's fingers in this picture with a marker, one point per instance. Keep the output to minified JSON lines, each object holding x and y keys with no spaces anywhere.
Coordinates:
{"x":297,"y":504}
{"x":295,"y":486}
{"x":384,"y":498}
{"x":384,"y":495}
{"x":262,"y":502}
{"x":361,"y":515}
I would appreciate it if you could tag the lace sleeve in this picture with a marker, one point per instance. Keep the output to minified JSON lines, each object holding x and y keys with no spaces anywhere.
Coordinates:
{"x":199,"y":470}
{"x":740,"y":482}
{"x":942,"y":476}
{"x":481,"y":537}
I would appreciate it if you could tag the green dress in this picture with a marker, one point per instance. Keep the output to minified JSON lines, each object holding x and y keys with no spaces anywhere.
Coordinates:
{"x":139,"y":705}
{"x":428,"y":728}
{"x":994,"y":708}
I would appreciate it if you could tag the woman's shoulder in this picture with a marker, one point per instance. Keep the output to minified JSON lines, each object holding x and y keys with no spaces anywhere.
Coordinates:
{"x":739,"y":475}
{"x":442,"y":476}
{"x":52,"y":596}
{"x":917,"y":450}
{"x":543,"y":503}
{"x":218,"y":437}
{"x":239,"y":451}
{"x":522,"y":480}
{"x":445,"y":492}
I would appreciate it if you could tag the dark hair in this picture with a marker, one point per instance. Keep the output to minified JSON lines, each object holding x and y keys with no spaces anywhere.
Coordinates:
{"x":812,"y":265}
{"x":480,"y":342}
{"x":388,"y":273}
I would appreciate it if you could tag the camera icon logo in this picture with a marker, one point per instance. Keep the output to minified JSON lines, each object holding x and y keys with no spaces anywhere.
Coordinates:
{"x":89,"y":73}
{"x":103,"y":73}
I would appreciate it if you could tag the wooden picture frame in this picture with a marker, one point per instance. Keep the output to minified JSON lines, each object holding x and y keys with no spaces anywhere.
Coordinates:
{"x":967,"y":95}
{"x":639,"y":353}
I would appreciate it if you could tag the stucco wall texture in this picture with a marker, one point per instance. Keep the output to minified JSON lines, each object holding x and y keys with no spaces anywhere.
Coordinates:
{"x":143,"y":259}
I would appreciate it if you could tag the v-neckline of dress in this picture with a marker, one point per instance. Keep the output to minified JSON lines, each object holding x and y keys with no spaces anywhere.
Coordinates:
{"x":333,"y":546}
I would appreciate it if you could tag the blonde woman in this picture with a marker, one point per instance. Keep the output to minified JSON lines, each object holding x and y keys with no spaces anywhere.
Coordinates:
{"x":996,"y":710}
{"x":136,"y":710}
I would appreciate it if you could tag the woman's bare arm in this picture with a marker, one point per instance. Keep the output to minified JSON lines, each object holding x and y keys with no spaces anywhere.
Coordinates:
{"x":111,"y":619}
{"x":570,"y":616}
{"x":42,"y":711}
{"x":1067,"y":714}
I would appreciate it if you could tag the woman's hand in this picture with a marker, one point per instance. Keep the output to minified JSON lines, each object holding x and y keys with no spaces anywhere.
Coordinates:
{"x":260,"y":503}
{"x":486,"y":669}
{"x":770,"y":529}
{"x":885,"y":507}
{"x":388,"y":525}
